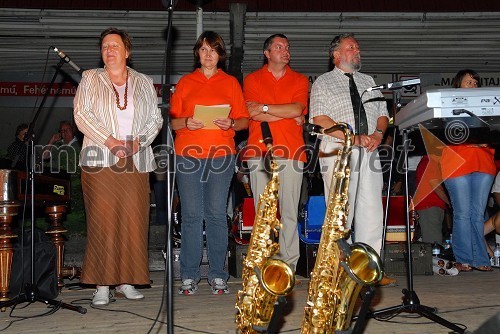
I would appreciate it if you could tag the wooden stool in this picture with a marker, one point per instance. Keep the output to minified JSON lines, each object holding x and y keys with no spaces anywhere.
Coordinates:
{"x":56,"y":214}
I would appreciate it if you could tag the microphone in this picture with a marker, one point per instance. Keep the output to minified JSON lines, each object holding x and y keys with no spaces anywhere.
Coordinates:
{"x":396,"y":85}
{"x":67,"y":59}
{"x":169,"y":4}
{"x":267,"y":138}
{"x":313,"y":128}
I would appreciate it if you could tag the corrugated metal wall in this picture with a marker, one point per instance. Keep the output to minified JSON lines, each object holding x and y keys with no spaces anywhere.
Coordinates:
{"x":26,"y":35}
{"x":390,"y":42}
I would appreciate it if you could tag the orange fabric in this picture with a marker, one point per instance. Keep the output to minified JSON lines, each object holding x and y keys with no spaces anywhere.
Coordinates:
{"x":425,"y":196}
{"x":193,"y":89}
{"x":262,"y":87}
{"x":459,"y":160}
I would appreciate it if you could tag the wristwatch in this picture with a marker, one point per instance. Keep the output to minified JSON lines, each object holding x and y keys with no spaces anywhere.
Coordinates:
{"x":265,"y":108}
{"x":232,"y":122}
{"x":379,"y":131}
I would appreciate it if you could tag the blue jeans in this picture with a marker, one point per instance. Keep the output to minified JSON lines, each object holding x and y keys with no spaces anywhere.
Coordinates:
{"x":469,"y":195}
{"x":203,"y":186}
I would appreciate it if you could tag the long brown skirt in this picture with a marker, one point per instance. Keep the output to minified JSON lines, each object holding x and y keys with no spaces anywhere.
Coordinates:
{"x":117,"y":208}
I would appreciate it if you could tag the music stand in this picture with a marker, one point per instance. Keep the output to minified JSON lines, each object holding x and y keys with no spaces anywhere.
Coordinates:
{"x":411,"y":302}
{"x":31,"y":293}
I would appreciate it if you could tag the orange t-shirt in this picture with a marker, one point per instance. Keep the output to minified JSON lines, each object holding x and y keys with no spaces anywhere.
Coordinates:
{"x":459,"y":160}
{"x":262,"y":87}
{"x":193,"y":89}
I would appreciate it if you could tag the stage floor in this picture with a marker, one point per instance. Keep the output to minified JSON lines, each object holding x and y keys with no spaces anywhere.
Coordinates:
{"x":468,"y":299}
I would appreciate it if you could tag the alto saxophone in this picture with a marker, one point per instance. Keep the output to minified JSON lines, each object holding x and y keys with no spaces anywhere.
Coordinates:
{"x":264,"y":279}
{"x":340,"y":269}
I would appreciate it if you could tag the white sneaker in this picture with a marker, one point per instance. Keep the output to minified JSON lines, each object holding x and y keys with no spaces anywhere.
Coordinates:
{"x":188,"y":287}
{"x":219,"y":286}
{"x":129,"y":291}
{"x":101,"y":296}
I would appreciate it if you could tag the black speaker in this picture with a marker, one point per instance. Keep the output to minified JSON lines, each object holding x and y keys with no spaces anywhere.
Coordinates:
{"x":491,"y":326}
{"x":236,"y":255}
{"x":305,"y":265}
{"x":45,"y":265}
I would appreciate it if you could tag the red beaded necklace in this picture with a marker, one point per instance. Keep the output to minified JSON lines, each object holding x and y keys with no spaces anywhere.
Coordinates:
{"x":124,"y":95}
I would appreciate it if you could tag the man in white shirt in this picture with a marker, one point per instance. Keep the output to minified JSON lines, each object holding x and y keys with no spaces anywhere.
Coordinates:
{"x":341,"y":96}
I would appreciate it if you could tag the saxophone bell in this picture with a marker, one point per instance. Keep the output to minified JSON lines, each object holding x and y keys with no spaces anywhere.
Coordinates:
{"x":361,"y":262}
{"x":277,"y":277}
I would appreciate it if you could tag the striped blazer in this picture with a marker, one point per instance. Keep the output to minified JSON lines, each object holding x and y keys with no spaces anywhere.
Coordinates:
{"x":95,"y":116}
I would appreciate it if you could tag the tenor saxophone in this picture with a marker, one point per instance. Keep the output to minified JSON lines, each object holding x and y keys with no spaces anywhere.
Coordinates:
{"x":264,"y":279}
{"x":340,"y":270}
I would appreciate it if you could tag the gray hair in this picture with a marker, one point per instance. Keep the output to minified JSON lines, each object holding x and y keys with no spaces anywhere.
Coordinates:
{"x":335,"y":43}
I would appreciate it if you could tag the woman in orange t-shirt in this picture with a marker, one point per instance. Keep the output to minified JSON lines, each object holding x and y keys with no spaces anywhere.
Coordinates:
{"x":205,"y":160}
{"x":468,"y":171}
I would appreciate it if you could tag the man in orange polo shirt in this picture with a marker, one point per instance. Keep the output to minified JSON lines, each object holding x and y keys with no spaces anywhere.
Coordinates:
{"x":278,"y":95}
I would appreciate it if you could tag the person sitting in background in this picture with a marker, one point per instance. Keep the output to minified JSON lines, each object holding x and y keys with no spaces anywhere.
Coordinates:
{"x":468,"y":171}
{"x":17,"y":150}
{"x":493,"y":223}
{"x":430,"y":199}
{"x":63,"y":149}
{"x":61,"y":154}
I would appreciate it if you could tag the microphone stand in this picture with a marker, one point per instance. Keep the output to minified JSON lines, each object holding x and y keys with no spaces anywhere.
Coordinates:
{"x":411,"y":303}
{"x":31,"y":292}
{"x":167,"y":139}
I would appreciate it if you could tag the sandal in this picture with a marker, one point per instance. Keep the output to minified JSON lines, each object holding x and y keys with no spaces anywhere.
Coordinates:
{"x":463,"y":267}
{"x":483,"y":268}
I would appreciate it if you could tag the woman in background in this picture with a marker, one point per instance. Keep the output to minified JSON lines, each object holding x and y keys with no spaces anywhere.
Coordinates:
{"x":468,"y":171}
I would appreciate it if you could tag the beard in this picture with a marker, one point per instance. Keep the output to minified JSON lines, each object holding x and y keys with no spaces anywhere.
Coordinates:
{"x":350,"y":66}
{"x":356,"y":66}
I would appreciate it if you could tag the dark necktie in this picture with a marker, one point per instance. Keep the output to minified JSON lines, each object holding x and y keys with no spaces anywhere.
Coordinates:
{"x":357,"y":107}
